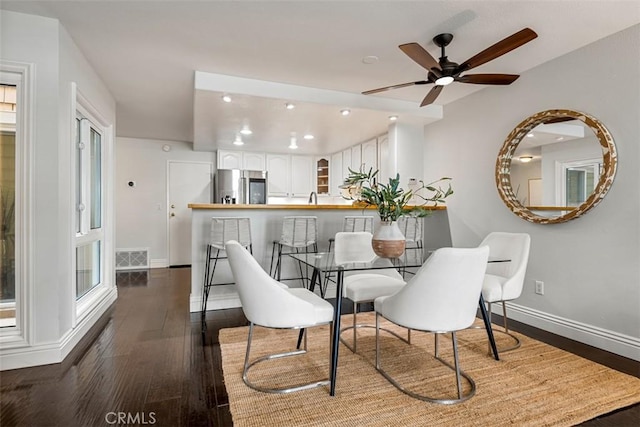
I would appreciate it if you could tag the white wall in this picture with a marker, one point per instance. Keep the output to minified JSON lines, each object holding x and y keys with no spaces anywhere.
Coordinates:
{"x":591,"y":265}
{"x":57,"y":62}
{"x":405,"y":151}
{"x":141,"y":212}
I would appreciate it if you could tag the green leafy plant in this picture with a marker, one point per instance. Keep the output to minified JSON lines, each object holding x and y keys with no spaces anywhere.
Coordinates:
{"x":390,"y":200}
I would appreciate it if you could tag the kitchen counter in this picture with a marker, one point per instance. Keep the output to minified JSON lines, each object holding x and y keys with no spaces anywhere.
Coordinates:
{"x":266,"y":226}
{"x":306,"y":206}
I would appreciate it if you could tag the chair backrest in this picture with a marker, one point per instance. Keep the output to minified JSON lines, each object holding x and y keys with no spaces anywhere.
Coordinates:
{"x":358,"y":223}
{"x":353,"y":247}
{"x":444,"y":293}
{"x":265,"y":301}
{"x":299,"y":231}
{"x":514,"y":246}
{"x":411,"y":227}
{"x":224,"y":229}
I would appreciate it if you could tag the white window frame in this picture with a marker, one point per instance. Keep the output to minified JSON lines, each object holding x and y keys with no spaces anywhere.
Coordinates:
{"x":22,"y":76}
{"x":561,"y":176}
{"x":90,"y":300}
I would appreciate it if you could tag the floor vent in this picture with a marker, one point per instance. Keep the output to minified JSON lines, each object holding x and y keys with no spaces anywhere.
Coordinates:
{"x":132,"y":259}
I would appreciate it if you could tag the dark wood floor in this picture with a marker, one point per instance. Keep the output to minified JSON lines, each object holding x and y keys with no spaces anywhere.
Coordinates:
{"x":148,"y":361}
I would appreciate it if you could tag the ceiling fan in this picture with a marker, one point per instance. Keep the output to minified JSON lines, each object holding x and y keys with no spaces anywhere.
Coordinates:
{"x":444,"y":72}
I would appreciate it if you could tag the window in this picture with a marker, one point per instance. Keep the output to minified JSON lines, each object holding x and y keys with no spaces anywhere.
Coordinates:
{"x":89,"y":232}
{"x":8,"y":100}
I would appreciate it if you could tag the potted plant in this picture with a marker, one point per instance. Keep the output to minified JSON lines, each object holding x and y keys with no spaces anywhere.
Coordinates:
{"x":392,"y":202}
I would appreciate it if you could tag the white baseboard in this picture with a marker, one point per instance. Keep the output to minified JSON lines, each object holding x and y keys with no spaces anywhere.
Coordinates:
{"x":614,"y":342}
{"x":55,"y":352}
{"x":159,"y":263}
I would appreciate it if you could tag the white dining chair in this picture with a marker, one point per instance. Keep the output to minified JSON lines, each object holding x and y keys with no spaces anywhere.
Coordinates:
{"x":504,"y":281}
{"x":363,"y":286}
{"x":441,"y":298}
{"x":272,"y":304}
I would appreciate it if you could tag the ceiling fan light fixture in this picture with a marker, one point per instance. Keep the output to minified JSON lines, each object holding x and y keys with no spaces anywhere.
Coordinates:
{"x":444,"y":81}
{"x":525,"y":159}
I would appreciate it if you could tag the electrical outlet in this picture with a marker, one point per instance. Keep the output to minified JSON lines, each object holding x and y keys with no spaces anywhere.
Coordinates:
{"x":539,"y":287}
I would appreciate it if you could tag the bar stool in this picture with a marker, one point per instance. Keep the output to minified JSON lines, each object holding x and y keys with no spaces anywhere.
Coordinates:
{"x":298,"y":232}
{"x":223,"y":229}
{"x":411,"y":227}
{"x":349,"y":224}
{"x":355,"y":223}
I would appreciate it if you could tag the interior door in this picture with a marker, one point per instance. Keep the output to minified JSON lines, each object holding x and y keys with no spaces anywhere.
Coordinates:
{"x":189,"y":182}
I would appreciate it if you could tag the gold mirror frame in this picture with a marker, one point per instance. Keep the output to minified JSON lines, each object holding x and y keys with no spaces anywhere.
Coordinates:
{"x":505,"y":156}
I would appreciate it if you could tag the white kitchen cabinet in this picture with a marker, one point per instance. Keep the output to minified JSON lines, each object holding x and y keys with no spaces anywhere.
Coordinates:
{"x":278,"y":174}
{"x":253,"y":161}
{"x":232,"y":159}
{"x":346,"y":162}
{"x":370,"y":155}
{"x":290,"y":175}
{"x":229,"y":159}
{"x":336,"y":177}
{"x":384,"y":163}
{"x":301,"y":178}
{"x":356,"y":158}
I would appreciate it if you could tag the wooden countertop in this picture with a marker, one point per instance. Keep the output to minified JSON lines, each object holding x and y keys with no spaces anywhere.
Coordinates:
{"x":284,"y":207}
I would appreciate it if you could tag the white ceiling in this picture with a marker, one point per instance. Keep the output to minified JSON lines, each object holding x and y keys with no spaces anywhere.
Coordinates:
{"x":148,"y":53}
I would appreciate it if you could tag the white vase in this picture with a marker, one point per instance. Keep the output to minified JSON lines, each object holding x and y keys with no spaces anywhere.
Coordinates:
{"x":388,"y":241}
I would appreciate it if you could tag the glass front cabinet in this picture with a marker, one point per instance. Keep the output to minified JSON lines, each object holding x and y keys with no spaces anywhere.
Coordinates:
{"x":322,"y":176}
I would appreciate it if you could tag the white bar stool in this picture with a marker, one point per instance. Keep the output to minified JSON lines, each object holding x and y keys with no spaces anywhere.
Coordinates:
{"x":299,"y":233}
{"x":223,"y":229}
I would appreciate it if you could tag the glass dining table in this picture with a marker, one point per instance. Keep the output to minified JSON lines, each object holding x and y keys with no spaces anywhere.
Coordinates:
{"x":323,"y":263}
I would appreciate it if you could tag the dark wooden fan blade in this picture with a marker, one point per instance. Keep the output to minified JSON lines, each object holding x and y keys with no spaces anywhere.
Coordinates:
{"x":421,"y":56}
{"x":560,"y":120}
{"x":431,"y":96}
{"x":488,"y":79}
{"x":504,"y":46}
{"x":382,"y":89}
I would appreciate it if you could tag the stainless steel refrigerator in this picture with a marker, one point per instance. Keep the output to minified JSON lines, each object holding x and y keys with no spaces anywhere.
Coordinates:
{"x":236,"y":186}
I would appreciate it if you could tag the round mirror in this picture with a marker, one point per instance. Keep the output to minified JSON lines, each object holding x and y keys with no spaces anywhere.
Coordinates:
{"x":555,"y":166}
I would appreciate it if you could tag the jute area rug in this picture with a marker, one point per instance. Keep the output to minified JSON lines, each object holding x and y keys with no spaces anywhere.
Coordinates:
{"x":535,"y":385}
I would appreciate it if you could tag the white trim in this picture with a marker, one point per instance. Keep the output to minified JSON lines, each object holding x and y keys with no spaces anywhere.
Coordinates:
{"x":55,"y":352}
{"x":22,"y":334}
{"x":621,"y":344}
{"x":159,"y":263}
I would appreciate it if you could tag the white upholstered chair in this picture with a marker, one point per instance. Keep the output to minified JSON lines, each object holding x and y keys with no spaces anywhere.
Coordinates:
{"x":362,"y":286}
{"x":504,"y":280}
{"x":442,"y":297}
{"x":271,"y":304}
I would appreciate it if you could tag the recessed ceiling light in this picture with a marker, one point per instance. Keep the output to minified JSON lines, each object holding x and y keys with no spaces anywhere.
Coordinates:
{"x":345,"y":112}
{"x":289,"y":106}
{"x":238,"y":141}
{"x":246,"y":131}
{"x":371,"y":59}
{"x":560,"y":138}
{"x":308,"y":136}
{"x":393,"y":118}
{"x":226,"y":98}
{"x":530,"y":135}
{"x":294,"y":143}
